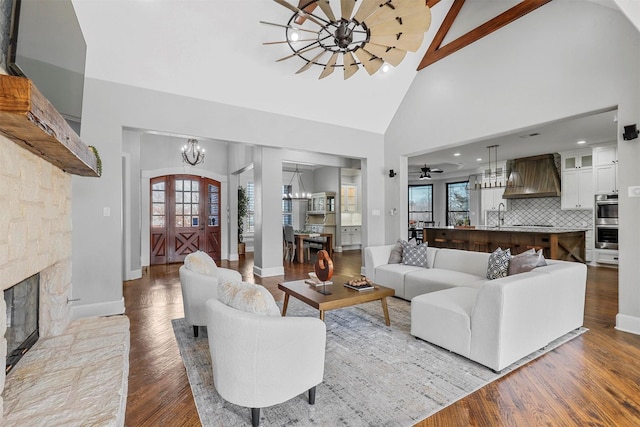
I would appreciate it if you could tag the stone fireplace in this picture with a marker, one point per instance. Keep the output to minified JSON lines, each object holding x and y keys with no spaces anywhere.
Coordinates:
{"x":35,"y":212}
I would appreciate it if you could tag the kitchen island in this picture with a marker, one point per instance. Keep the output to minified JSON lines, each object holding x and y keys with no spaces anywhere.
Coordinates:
{"x":557,"y":243}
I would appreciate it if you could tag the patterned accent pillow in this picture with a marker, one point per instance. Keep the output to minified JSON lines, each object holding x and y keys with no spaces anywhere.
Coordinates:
{"x":415,"y":255}
{"x":498,"y":265}
{"x":526,"y":261}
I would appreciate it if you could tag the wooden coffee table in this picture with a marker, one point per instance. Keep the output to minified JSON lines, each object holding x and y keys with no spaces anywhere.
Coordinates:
{"x":340,"y":296}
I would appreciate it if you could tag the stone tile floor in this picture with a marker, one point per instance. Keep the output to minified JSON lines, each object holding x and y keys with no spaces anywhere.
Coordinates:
{"x":78,"y":378}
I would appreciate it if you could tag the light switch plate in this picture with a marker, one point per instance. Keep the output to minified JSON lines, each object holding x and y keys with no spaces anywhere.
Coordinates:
{"x":634,"y":191}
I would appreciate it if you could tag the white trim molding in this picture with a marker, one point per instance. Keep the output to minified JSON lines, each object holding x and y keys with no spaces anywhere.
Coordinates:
{"x":109,"y":308}
{"x":626,"y":323}
{"x":268,"y":272}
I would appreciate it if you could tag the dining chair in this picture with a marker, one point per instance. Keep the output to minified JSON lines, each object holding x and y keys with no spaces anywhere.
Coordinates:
{"x":290,"y":242}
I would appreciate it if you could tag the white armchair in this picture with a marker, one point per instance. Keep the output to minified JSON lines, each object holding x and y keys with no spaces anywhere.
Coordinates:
{"x":260,"y":361}
{"x":197,"y":288}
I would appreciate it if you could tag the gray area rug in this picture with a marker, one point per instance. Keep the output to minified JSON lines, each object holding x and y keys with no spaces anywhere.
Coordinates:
{"x":375,"y":375}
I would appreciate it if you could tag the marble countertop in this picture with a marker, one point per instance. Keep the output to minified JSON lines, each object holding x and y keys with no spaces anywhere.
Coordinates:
{"x":516,"y":228}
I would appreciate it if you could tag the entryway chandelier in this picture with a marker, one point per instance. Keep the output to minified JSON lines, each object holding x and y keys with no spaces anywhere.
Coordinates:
{"x":192,"y":153}
{"x":300,"y":195}
{"x":380,"y":31}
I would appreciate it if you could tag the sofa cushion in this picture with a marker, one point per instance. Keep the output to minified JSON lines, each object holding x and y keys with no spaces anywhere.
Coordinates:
{"x":392,"y":276}
{"x":415,"y":255}
{"x":463,"y":261}
{"x":201,"y":262}
{"x":247,"y":297}
{"x":526,"y":261}
{"x":498,"y":265}
{"x":436,"y":279}
{"x":444,"y":318}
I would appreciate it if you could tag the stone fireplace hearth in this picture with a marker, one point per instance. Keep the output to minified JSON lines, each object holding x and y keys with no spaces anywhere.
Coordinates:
{"x":35,"y":210}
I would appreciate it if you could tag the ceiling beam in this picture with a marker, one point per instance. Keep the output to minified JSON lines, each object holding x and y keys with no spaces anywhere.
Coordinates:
{"x":436,"y":52}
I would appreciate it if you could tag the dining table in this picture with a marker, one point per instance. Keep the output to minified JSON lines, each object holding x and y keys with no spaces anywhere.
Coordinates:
{"x":326,"y":239}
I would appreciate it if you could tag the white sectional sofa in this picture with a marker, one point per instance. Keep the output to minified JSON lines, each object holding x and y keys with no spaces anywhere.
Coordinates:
{"x":493,"y":322}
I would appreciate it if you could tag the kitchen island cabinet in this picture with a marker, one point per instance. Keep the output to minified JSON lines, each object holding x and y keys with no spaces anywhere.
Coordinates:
{"x":557,"y":243}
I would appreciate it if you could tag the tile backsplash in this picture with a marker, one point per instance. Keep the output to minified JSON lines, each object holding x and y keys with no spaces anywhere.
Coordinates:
{"x":542,"y":211}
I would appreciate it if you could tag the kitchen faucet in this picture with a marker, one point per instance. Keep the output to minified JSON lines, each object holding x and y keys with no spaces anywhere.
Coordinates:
{"x":501,"y":218}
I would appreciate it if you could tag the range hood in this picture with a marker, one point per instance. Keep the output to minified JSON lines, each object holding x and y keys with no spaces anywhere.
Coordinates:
{"x":535,"y":176}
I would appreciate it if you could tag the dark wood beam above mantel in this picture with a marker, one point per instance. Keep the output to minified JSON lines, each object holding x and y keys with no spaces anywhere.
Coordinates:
{"x":436,"y":52}
{"x":28,"y":119}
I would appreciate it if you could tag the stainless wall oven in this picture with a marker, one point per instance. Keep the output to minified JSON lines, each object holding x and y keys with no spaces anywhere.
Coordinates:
{"x":606,"y":221}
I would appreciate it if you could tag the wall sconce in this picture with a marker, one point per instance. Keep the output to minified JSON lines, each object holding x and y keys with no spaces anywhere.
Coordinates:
{"x":393,"y":211}
{"x":392,"y":173}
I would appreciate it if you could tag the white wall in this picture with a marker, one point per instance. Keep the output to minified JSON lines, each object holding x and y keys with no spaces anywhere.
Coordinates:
{"x":577,"y":57}
{"x":109,"y":108}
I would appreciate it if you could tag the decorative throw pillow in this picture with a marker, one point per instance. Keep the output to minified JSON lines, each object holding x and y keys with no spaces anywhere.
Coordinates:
{"x":415,"y":255}
{"x":202,"y":263}
{"x":526,"y":261}
{"x":395,"y":257}
{"x":498,"y":265}
{"x":248,"y":297}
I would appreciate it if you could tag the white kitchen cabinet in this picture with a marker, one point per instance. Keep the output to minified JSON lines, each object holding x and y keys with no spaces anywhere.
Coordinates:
{"x":577,"y":189}
{"x":589,"y":245}
{"x":577,"y":159}
{"x":350,"y":237}
{"x":606,"y":256}
{"x":605,"y":169}
{"x":490,"y":199}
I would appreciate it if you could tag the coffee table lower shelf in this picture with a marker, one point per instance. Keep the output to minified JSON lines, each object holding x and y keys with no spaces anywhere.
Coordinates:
{"x":340,"y":296}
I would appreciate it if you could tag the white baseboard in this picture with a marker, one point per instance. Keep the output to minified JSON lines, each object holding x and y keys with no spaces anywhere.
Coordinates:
{"x":133,"y":275}
{"x":626,"y":323}
{"x":108,"y":308}
{"x":268,"y":272}
{"x":234,"y":257}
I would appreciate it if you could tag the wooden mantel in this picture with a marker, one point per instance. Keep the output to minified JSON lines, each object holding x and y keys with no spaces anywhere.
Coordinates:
{"x":28,"y":119}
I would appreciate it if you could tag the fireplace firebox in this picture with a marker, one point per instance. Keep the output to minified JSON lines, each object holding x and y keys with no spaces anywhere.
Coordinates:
{"x":22,"y":301}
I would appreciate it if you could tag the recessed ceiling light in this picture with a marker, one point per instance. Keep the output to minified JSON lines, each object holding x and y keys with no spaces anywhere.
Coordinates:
{"x":456,"y":154}
{"x":294,"y":36}
{"x":385,"y":68}
{"x":478,"y":159}
{"x":582,"y":142}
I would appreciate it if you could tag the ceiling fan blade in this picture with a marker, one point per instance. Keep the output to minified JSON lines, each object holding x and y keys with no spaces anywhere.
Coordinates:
{"x":410,"y":42}
{"x":289,"y":26}
{"x":326,"y":8}
{"x":297,"y":53}
{"x":346,"y":7}
{"x":328,"y":69}
{"x":310,"y":63}
{"x":408,"y":24}
{"x":300,"y":11}
{"x":391,"y":55}
{"x":385,"y":14}
{"x":350,"y":65}
{"x":369,"y":62}
{"x":288,"y":41}
{"x":367,"y":8}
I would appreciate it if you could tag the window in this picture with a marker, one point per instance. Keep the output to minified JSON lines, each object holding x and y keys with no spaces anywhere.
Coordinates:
{"x":287,"y":206}
{"x":420,"y":205}
{"x":457,"y":203}
{"x":250,"y":222}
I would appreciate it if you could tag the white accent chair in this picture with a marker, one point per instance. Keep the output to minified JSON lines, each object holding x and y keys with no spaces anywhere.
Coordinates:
{"x":260,"y":361}
{"x":197,"y":288}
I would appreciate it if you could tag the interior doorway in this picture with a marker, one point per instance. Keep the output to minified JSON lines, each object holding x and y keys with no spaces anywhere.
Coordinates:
{"x":185,"y":217}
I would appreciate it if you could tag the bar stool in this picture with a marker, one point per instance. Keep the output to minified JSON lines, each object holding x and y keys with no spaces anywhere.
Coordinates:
{"x":481,"y":246}
{"x":440,"y":243}
{"x":458,"y":244}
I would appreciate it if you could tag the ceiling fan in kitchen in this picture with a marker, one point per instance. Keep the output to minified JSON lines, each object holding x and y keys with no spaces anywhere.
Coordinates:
{"x":425,"y":172}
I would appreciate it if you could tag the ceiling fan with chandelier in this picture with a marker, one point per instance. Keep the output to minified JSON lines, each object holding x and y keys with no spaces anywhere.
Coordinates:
{"x":379,"y":31}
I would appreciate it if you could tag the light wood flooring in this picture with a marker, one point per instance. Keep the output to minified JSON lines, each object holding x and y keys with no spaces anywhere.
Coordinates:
{"x":592,"y":380}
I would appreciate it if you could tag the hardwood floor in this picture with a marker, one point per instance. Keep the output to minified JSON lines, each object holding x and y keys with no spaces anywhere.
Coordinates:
{"x":592,"y":380}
